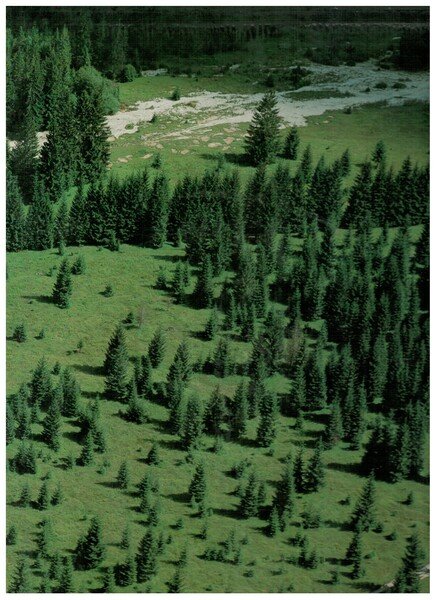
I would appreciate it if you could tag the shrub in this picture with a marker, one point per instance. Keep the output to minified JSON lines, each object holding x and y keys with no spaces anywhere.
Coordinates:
{"x":128,"y":73}
{"x":175,"y":95}
{"x":381,"y":85}
{"x":108,"y":291}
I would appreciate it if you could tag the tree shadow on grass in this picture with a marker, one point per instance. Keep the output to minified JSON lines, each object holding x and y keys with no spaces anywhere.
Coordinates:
{"x":345,"y":468}
{"x":171,"y":445}
{"x":112,"y":485}
{"x":42,"y":298}
{"x":89,"y":369}
{"x":232,"y":513}
{"x":167,"y":258}
{"x":182,"y":498}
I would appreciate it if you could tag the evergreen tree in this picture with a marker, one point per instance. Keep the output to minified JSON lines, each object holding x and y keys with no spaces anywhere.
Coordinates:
{"x":316,"y":388}
{"x":15,"y":215}
{"x":63,"y":287}
{"x":407,"y":576}
{"x":136,"y":411}
{"x":78,"y":218}
{"x":240,"y":412}
{"x":153,"y":457}
{"x":306,"y":164}
{"x":290,"y":150}
{"x":125,"y":538}
{"x":123,"y":476}
{"x":178,"y":286}
{"x":70,"y":393}
{"x":249,"y":506}
{"x":21,"y":578}
{"x":194,"y":424}
{"x":158,"y":212}
{"x":11,"y":536}
{"x":10,"y":424}
{"x":87,"y":455}
{"x":262,"y":142}
{"x":212,"y":324}
{"x":143,"y":377}
{"x":23,"y":160}
{"x":204,"y":289}
{"x":284,"y":499}
{"x":354,"y":555}
{"x":315,"y":473}
{"x":115,"y":366}
{"x":125,"y":573}
{"x":43,"y":500}
{"x":198,"y":486}
{"x":156,"y":349}
{"x":273,"y":522}
{"x":25,"y":459}
{"x":90,"y":551}
{"x":66,"y":584}
{"x":221,"y":359}
{"x":363,"y":515}
{"x":267,"y":430}
{"x":175,"y":586}
{"x":39,"y":221}
{"x":58,"y":495}
{"x":52,"y":425}
{"x":146,"y":557}
{"x":333,"y":432}
{"x":109,"y":581}
{"x":60,"y":231}
{"x":24,"y":499}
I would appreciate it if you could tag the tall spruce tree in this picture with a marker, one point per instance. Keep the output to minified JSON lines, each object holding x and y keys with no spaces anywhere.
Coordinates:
{"x":63,"y":287}
{"x":116,"y":365}
{"x":15,"y":215}
{"x":290,"y":150}
{"x":262,"y":143}
{"x":90,"y":550}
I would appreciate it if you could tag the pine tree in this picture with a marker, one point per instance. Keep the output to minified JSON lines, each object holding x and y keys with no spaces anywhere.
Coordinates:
{"x":66,"y":584}
{"x":407,"y":576}
{"x":315,"y":473}
{"x":379,"y":154}
{"x":24,"y":499}
{"x":215,"y":413}
{"x":249,"y":506}
{"x":78,"y":218}
{"x":116,"y":365}
{"x":156,"y":349}
{"x":194,"y":424}
{"x":15,"y":216}
{"x":273,"y":522}
{"x":125,"y":573}
{"x":70,"y":393}
{"x":178,"y":286}
{"x":290,"y":150}
{"x":262,"y":142}
{"x":58,"y":495}
{"x":204,"y":289}
{"x":63,"y":287}
{"x":354,"y":555}
{"x":198,"y":487}
{"x":52,"y":425}
{"x":109,"y":581}
{"x":153,"y":457}
{"x":21,"y":578}
{"x":221,"y":359}
{"x":175,"y":586}
{"x":333,"y":432}
{"x":363,"y":515}
{"x":212,"y":324}
{"x":143,"y":379}
{"x":240,"y":412}
{"x":11,"y":536}
{"x":136,"y":411}
{"x":158,"y":212}
{"x":267,"y":430}
{"x":284,"y":499}
{"x":10,"y":424}
{"x":43,"y":500}
{"x":146,"y":557}
{"x":87,"y":455}
{"x":25,"y":459}
{"x":39,"y":221}
{"x":90,"y":551}
{"x":123,"y":476}
{"x":306,"y":164}
{"x":316,"y":388}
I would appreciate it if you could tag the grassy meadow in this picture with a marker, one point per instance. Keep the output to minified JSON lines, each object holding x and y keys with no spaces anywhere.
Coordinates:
{"x":92,"y":317}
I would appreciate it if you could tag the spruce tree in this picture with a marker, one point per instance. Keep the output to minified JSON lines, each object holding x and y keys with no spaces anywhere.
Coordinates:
{"x":363,"y":515}
{"x":15,"y":216}
{"x":125,"y":573}
{"x":63,"y":287}
{"x":412,"y":560}
{"x":306,"y":164}
{"x":146,"y":557}
{"x":70,"y":393}
{"x":123,"y":476}
{"x":52,"y":425}
{"x":267,"y":429}
{"x":43,"y":500}
{"x":315,"y":472}
{"x":143,"y":380}
{"x":240,"y":412}
{"x":273,"y":522}
{"x":78,"y":218}
{"x":90,"y":551}
{"x":11,"y":536}
{"x":116,"y":365}
{"x":87,"y":454}
{"x":333,"y":432}
{"x":153,"y":457}
{"x":109,"y":581}
{"x":290,"y":150}
{"x":158,"y":212}
{"x":284,"y":498}
{"x":194,"y":424}
{"x":262,"y":141}
{"x":21,"y":578}
{"x":198,"y":486}
{"x":66,"y":584}
{"x":175,"y":586}
{"x":211,"y":327}
{"x":204,"y":289}
{"x":249,"y":506}
{"x":39,"y":221}
{"x":156,"y":349}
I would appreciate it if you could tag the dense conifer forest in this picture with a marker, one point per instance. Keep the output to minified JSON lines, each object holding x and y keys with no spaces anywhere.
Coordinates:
{"x":230,"y":389}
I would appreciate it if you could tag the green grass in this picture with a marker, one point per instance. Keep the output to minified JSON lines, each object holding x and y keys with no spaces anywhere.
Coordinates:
{"x":92,"y":318}
{"x":404,"y":129}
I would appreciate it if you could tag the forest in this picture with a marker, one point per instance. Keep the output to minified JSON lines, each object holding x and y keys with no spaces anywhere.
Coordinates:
{"x":217,"y":362}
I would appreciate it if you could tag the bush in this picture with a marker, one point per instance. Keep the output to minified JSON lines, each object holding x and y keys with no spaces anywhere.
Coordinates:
{"x":381,"y":85}
{"x":20,"y":334}
{"x":175,"y":95}
{"x":108,"y":291}
{"x":109,"y":90}
{"x":128,"y":73}
{"x":399,"y":86}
